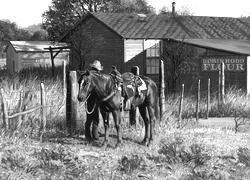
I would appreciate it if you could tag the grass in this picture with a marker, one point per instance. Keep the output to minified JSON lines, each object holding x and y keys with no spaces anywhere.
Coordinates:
{"x":192,"y":152}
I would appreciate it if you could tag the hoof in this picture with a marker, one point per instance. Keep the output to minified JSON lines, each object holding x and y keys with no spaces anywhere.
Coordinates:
{"x":145,"y":142}
{"x":119,"y":144}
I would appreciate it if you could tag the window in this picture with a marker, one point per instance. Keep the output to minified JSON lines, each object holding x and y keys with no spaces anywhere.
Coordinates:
{"x":152,"y":56}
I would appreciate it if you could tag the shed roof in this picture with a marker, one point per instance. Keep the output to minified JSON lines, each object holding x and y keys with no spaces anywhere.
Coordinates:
{"x":234,"y":46}
{"x":163,"y":26}
{"x":35,"y":46}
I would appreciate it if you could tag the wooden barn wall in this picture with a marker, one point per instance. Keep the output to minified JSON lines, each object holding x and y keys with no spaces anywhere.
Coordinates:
{"x":11,"y":59}
{"x":108,"y":47}
{"x":194,"y":70}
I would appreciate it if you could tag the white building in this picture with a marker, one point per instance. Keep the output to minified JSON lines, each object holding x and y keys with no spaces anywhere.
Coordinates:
{"x":27,"y":54}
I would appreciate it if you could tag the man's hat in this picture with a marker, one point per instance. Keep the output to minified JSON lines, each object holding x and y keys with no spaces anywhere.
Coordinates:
{"x":97,"y":65}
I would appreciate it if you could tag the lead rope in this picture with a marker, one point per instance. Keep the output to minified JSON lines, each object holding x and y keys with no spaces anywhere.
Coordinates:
{"x":86,"y":106}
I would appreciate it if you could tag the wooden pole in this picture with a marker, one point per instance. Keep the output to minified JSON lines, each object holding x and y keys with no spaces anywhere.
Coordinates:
{"x":208,"y":98}
{"x":72,"y":113}
{"x":198,"y":100}
{"x":19,"y":122}
{"x":52,"y":60}
{"x":64,"y":79}
{"x":219,"y":89}
{"x":135,"y":70}
{"x":43,"y":112}
{"x":162,"y":92}
{"x":5,"y":110}
{"x":222,"y":82}
{"x":180,"y":106}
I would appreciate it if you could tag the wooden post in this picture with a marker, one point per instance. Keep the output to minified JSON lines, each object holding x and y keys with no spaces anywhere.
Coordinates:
{"x":5,"y":110}
{"x":19,"y":122}
{"x":208,"y":98}
{"x":72,"y":102}
{"x":43,"y":112}
{"x":135,"y":70}
{"x":64,"y":79}
{"x":52,"y":60}
{"x":198,"y":100}
{"x":162,"y":91}
{"x":222,"y":82}
{"x":180,"y":106}
{"x":219,"y":89}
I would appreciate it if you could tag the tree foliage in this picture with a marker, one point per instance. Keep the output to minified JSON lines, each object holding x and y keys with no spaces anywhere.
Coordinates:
{"x":63,"y":14}
{"x":10,"y":32}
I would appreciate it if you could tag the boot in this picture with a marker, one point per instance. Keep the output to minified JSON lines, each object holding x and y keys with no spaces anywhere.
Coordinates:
{"x":95,"y":134}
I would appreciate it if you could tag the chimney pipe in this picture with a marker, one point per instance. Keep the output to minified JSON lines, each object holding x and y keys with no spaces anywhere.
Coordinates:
{"x":173,"y":8}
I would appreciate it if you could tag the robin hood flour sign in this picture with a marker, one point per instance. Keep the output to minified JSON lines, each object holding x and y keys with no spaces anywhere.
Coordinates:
{"x":232,"y":63}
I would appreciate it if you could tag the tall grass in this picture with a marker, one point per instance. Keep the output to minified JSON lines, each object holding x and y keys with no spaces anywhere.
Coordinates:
{"x":187,"y":153}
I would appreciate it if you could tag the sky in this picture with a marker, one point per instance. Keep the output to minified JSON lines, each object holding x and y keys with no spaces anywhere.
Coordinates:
{"x":28,"y":12}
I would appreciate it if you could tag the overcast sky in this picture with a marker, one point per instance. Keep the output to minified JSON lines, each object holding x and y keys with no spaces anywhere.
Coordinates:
{"x":28,"y":12}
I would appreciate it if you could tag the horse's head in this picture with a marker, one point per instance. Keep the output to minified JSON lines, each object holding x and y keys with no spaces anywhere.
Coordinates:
{"x":85,"y":86}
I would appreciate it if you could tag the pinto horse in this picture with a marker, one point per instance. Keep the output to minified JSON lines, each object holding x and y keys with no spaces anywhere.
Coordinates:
{"x":108,"y":98}
{"x":147,"y":103}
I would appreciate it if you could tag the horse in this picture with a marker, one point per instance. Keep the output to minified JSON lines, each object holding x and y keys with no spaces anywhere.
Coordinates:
{"x":147,"y":101}
{"x":108,"y":98}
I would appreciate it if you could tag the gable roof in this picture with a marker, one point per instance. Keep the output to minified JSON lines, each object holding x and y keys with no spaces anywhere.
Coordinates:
{"x":165,"y":26}
{"x":35,"y":46}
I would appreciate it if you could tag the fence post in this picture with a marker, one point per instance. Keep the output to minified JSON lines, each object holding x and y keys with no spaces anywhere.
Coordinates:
{"x":64,"y":79}
{"x":198,"y":100}
{"x":72,"y":102}
{"x":19,"y":122}
{"x":208,"y":98}
{"x":222,"y":82}
{"x":162,"y":91}
{"x":43,"y":112}
{"x":219,"y":89}
{"x":5,"y":110}
{"x":180,"y":106}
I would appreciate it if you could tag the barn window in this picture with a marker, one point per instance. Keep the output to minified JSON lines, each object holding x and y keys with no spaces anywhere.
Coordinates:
{"x":152,"y":56}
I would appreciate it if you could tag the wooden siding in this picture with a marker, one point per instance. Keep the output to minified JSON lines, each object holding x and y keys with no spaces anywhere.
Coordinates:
{"x":134,"y":54}
{"x":109,"y":50}
{"x":232,"y":78}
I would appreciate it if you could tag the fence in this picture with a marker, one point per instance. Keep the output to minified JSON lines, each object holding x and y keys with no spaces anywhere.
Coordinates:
{"x":13,"y":120}
{"x":220,"y":91}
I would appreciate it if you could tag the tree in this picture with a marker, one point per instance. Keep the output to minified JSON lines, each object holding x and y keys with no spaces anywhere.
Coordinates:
{"x":181,"y":60}
{"x":39,"y":35}
{"x":63,"y":14}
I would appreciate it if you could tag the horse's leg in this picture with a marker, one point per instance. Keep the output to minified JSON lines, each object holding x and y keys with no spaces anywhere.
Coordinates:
{"x":117,"y":120}
{"x":143,"y":112}
{"x":151,"y":122}
{"x":105,"y":117}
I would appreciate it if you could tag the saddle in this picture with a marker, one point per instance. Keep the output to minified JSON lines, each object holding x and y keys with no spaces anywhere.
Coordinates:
{"x":131,"y":84}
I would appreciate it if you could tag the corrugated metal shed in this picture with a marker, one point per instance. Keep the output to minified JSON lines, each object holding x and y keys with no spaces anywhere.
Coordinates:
{"x":35,"y":46}
{"x":234,"y":46}
{"x":164,"y":26}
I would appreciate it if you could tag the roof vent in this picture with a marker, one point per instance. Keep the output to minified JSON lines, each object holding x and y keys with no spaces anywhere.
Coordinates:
{"x":173,"y":8}
{"x":142,"y":17}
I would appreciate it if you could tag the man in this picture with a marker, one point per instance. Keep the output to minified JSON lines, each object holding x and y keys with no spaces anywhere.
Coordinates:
{"x":93,"y":118}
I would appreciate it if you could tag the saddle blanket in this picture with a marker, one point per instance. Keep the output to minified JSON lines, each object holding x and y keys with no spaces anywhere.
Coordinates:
{"x":143,"y":86}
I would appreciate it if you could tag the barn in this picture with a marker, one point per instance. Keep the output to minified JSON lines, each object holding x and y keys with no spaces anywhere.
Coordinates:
{"x":27,"y":54}
{"x":127,"y":40}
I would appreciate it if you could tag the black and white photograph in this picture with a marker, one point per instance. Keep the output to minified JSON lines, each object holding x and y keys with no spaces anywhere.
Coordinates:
{"x":124,"y":90}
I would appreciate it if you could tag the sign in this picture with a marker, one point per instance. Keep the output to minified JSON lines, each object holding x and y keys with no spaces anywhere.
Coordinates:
{"x":232,"y":63}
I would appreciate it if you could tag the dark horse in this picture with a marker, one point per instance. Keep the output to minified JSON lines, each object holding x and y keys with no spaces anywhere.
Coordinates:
{"x":108,"y":98}
{"x":147,"y":102}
